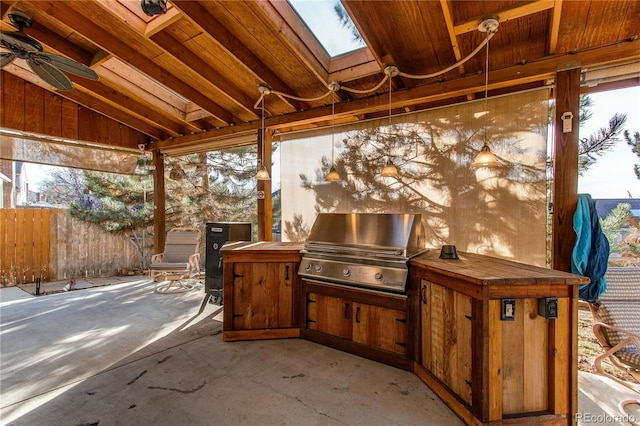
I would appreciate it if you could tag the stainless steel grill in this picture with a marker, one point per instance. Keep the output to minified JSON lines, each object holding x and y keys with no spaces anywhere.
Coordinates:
{"x":362,"y":249}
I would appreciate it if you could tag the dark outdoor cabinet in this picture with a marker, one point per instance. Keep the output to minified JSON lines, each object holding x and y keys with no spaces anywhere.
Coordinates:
{"x":219,"y":233}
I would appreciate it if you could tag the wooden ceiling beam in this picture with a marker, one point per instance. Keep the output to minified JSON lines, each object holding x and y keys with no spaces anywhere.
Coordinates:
{"x":298,"y":36}
{"x":197,"y":68}
{"x":161,"y":22}
{"x":224,"y":88}
{"x":383,"y":58}
{"x":554,"y":27}
{"x":246,"y":60}
{"x":519,"y":10}
{"x":448,"y":20}
{"x":153,"y":103}
{"x":72,"y":16}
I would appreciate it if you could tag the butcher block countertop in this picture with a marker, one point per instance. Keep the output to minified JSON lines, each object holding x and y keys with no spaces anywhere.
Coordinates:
{"x":492,"y":271}
{"x":261,"y":251}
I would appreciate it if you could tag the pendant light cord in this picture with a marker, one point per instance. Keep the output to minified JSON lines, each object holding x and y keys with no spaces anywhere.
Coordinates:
{"x":486,"y":88}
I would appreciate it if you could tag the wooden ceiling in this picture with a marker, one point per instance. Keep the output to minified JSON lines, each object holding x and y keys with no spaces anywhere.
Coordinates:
{"x":191,"y":76}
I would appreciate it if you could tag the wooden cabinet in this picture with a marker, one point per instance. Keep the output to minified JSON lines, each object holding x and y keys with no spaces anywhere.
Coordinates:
{"x":368,"y":323}
{"x":445,"y":345}
{"x":262,"y":295}
{"x":260,"y":286}
{"x":485,"y":349}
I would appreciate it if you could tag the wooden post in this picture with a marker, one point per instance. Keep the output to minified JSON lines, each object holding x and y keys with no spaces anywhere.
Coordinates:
{"x":159,"y":220}
{"x":265,"y":210}
{"x":565,"y":165}
{"x":563,"y":237}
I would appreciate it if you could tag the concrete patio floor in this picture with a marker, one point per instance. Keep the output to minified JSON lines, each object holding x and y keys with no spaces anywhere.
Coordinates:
{"x":123,"y":354}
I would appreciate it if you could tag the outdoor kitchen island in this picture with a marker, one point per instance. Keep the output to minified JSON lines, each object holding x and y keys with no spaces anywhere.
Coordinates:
{"x":496,"y":340}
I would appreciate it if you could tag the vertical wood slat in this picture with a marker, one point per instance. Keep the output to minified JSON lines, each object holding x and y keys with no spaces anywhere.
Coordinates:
{"x":465,"y":353}
{"x":495,"y":363}
{"x":13,"y":94}
{"x":536,"y":361}
{"x":513,"y":361}
{"x":560,"y":339}
{"x":52,"y":114}
{"x":34,"y":107}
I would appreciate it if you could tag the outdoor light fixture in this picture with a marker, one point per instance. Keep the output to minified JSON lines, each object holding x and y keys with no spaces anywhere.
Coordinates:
{"x":390,"y":170}
{"x":154,"y":7}
{"x":262,"y":174}
{"x":486,"y":158}
{"x":333,"y":175}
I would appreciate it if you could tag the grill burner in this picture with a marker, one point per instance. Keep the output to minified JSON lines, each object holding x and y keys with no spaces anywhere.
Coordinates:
{"x":362,"y":249}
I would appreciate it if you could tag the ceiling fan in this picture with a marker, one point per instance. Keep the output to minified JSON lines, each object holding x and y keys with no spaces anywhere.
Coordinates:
{"x":47,"y":66}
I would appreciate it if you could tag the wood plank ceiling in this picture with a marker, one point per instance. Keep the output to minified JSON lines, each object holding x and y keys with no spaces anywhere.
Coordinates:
{"x":191,"y":75}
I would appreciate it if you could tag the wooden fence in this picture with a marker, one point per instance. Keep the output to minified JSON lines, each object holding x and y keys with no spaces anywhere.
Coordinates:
{"x":51,"y":245}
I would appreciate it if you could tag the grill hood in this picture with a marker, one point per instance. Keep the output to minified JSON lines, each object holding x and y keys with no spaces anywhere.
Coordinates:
{"x":393,"y":234}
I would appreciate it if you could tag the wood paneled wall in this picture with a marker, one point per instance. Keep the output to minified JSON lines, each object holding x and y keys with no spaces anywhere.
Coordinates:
{"x":29,"y":108}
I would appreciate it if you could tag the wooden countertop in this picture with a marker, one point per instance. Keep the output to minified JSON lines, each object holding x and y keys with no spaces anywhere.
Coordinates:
{"x":490,"y":271}
{"x":260,"y":246}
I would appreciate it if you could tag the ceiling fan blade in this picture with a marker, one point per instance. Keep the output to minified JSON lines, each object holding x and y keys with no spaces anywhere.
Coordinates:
{"x":69,"y":65}
{"x":6,"y":58}
{"x":50,"y":74}
{"x":19,"y":40}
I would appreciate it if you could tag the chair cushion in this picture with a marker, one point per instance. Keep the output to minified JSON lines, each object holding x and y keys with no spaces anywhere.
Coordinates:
{"x":170,"y":266}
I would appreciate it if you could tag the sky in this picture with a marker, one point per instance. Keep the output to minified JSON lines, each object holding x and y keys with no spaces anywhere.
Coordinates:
{"x":613,"y":176}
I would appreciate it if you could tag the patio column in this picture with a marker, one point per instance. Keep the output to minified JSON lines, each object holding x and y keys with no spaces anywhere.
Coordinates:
{"x":565,"y":164}
{"x":265,"y":210}
{"x":159,"y":220}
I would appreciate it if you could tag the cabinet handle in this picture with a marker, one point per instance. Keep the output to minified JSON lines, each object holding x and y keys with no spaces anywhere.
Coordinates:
{"x":346,"y":311}
{"x":402,"y":320}
{"x":286,"y":272}
{"x":358,"y":314}
{"x":404,"y":345}
{"x":422,"y":290}
{"x":469,"y":317}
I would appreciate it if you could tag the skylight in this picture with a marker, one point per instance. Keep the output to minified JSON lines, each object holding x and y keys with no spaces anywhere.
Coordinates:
{"x":335,"y":35}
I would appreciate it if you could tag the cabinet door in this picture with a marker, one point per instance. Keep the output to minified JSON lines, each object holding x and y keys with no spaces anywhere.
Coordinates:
{"x":446,"y":336}
{"x":262,"y":295}
{"x":381,"y":328}
{"x":331,"y":315}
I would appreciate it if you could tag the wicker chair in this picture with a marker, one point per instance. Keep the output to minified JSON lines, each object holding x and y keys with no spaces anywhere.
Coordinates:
{"x":616,"y":317}
{"x":180,"y":260}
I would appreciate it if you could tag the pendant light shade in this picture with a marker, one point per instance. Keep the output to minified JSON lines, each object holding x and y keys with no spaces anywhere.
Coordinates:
{"x":390,"y":170}
{"x":262,"y":174}
{"x":485,"y":157}
{"x":332,"y":176}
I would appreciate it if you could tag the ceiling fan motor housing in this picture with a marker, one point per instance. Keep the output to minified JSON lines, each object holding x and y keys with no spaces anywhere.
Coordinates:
{"x":154,"y":7}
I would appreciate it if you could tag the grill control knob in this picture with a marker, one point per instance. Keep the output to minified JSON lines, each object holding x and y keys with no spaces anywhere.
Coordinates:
{"x":308,"y":267}
{"x":318,"y":268}
{"x":346,"y":272}
{"x":378,"y":276}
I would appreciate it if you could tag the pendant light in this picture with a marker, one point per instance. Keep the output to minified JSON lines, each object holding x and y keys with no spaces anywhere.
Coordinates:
{"x":333,"y":175}
{"x":486,"y":158}
{"x":262,"y":174}
{"x":390,"y":170}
